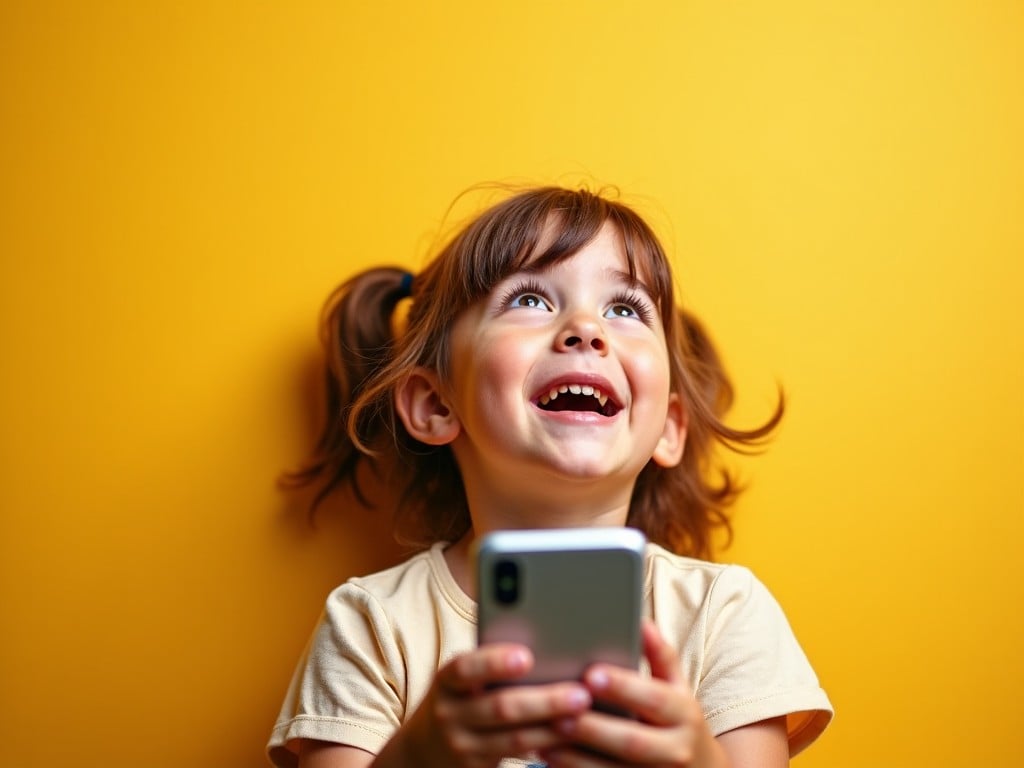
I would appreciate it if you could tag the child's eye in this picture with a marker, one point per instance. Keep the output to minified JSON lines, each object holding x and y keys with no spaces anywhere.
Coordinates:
{"x":525,"y":296}
{"x":621,"y":310}
{"x":531,"y":300}
{"x":631,"y":305}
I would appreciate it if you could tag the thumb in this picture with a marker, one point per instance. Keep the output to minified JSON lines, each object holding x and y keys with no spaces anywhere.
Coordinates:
{"x":660,"y":655}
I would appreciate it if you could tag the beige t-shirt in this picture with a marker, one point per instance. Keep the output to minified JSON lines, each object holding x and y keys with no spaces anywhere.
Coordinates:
{"x":381,"y":638}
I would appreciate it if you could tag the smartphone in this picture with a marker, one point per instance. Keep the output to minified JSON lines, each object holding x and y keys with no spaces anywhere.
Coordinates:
{"x":573,"y":596}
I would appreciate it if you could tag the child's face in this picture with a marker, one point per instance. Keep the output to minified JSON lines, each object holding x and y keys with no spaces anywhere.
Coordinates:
{"x":564,"y":373}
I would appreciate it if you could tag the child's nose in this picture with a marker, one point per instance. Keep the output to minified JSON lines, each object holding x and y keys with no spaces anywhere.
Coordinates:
{"x":581,"y":335}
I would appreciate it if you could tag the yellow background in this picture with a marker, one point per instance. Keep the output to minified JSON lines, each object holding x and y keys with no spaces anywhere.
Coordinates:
{"x":841,"y":185}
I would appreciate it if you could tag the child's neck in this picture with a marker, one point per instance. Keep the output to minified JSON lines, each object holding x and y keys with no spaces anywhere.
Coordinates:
{"x":551,"y":503}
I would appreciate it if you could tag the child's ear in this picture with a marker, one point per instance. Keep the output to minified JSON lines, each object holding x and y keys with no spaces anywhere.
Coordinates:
{"x":669,"y":450}
{"x":423,"y":410}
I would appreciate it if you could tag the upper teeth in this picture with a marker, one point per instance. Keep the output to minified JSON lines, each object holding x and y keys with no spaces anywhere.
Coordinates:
{"x":576,"y":389}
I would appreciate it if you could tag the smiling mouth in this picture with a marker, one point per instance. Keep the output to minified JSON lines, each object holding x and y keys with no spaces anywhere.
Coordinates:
{"x":578,"y":397}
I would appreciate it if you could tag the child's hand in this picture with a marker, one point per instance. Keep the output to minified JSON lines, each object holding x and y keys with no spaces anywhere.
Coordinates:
{"x":462,"y":722}
{"x":669,"y":729}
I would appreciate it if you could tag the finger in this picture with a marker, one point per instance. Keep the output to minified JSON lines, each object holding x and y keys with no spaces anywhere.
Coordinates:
{"x":654,"y":701}
{"x":476,"y":669}
{"x":515,"y":706}
{"x":600,"y":736}
{"x":660,"y":655}
{"x":517,"y":742}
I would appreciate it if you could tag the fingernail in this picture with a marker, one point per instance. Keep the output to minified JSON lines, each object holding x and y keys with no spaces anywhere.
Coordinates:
{"x":579,"y":699}
{"x":516,"y":661}
{"x":597,"y":678}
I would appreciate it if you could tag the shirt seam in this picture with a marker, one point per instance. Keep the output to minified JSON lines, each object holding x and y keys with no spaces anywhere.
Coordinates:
{"x":754,"y":700}
{"x":461,"y":603}
{"x":284,"y":727}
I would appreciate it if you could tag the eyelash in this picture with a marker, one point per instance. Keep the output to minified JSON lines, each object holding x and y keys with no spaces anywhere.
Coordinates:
{"x":521,"y":289}
{"x":637,"y":303}
{"x":631,"y":299}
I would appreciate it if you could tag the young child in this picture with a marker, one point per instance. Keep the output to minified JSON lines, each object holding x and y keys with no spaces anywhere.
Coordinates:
{"x":544,"y":378}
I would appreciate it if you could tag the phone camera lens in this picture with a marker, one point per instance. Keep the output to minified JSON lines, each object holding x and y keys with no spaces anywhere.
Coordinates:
{"x":506,"y":582}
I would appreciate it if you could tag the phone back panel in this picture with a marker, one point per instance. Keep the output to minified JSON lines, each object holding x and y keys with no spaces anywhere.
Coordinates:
{"x":576,"y":600}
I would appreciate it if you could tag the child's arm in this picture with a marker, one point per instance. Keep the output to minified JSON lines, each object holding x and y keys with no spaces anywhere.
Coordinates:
{"x":669,"y":729}
{"x":462,"y":724}
{"x":756,"y":745}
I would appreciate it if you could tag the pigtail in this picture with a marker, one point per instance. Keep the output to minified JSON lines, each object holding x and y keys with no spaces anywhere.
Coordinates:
{"x":682,"y":507}
{"x":357,"y":337}
{"x":714,"y":390}
{"x":705,"y":365}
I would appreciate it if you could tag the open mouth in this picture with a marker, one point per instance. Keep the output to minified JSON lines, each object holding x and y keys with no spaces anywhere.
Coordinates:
{"x":578,"y":397}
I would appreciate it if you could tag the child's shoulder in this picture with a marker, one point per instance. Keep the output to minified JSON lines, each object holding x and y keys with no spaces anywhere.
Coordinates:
{"x":659,"y":557}
{"x":389,"y":580}
{"x":701,"y":578}
{"x":423,"y":579}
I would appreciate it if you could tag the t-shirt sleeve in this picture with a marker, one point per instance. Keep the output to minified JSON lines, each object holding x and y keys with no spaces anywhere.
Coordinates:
{"x":754,"y":668}
{"x":349,"y":686}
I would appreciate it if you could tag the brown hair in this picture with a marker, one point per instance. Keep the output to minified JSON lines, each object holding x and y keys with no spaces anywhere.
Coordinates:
{"x":678,"y":507}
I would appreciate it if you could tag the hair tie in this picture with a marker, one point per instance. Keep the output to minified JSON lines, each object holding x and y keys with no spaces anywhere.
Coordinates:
{"x":405,"y":287}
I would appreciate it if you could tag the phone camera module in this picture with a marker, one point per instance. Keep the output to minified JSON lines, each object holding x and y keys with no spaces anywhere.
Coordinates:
{"x":506,"y":582}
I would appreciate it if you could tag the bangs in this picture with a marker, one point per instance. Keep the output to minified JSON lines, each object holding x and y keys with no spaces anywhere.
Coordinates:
{"x":531,"y":230}
{"x":543,"y":227}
